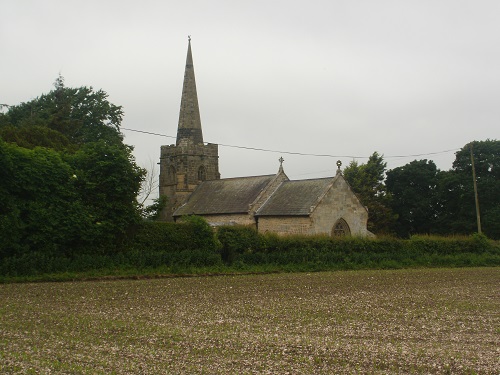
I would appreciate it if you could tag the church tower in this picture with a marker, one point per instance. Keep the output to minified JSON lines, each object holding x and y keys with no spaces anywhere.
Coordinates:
{"x":186,"y":164}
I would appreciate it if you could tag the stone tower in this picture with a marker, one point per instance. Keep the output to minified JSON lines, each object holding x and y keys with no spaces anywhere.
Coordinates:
{"x":186,"y":164}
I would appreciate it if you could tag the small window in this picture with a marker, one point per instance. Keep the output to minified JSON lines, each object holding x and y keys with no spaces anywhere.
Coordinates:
{"x":202,"y":175}
{"x":341,"y":229}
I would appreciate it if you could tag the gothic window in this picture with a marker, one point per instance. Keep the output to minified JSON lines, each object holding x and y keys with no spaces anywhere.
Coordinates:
{"x":202,"y":176}
{"x":341,"y":229}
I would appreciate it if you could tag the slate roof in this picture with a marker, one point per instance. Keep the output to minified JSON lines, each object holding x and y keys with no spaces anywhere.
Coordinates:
{"x":295,"y":198}
{"x":224,"y":196}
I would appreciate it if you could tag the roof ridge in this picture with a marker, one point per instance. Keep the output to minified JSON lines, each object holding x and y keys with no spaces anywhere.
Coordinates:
{"x":242,"y":177}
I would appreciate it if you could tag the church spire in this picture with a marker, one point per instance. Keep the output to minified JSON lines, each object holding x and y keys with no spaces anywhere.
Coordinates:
{"x":189,"y":116}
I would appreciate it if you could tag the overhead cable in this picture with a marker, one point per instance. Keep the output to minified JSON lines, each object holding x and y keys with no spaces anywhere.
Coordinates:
{"x":300,"y":153}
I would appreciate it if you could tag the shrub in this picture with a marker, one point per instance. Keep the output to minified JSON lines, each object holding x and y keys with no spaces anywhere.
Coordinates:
{"x":236,"y":240}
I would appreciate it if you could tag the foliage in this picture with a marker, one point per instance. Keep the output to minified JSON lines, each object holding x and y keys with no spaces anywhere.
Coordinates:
{"x":203,"y":237}
{"x":58,"y":204}
{"x":153,"y":211}
{"x":40,"y":209}
{"x":107,"y":182}
{"x":237,"y":240}
{"x":37,"y":135}
{"x":192,"y":246}
{"x":193,"y":233}
{"x":367,"y":181}
{"x":67,"y":183}
{"x":75,"y":115}
{"x":413,"y":190}
{"x":461,"y":215}
{"x":427,"y":200}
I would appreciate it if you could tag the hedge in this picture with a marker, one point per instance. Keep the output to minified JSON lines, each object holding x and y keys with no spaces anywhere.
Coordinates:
{"x":192,"y":245}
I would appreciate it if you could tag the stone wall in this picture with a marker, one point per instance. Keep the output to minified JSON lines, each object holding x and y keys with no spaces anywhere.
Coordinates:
{"x":229,"y":219}
{"x":340,"y":202}
{"x":179,"y":166}
{"x":284,"y":225}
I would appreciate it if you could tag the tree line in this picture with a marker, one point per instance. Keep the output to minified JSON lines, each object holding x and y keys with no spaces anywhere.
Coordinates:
{"x":418,"y":198}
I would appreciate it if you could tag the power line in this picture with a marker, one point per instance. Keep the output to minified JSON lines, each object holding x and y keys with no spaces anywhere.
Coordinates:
{"x":300,"y":153}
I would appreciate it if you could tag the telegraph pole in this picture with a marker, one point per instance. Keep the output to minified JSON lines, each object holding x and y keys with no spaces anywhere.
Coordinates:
{"x":478,"y":216}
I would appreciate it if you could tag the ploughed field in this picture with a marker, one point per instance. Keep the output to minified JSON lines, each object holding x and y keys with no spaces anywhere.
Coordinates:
{"x":383,"y":322}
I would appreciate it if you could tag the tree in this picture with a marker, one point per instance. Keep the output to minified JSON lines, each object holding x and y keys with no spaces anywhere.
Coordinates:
{"x":457,"y":192}
{"x":80,"y":115}
{"x":108,"y":182}
{"x":67,"y":182}
{"x":367,"y":181}
{"x":413,"y":190}
{"x":39,"y":207}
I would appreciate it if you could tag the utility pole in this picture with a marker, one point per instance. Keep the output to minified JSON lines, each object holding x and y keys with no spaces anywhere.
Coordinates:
{"x":478,"y":216}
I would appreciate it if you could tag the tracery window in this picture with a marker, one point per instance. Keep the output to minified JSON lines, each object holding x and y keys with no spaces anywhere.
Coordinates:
{"x":341,"y":229}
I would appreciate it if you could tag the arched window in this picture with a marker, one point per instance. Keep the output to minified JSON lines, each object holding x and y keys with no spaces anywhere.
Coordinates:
{"x":341,"y":229}
{"x":202,"y":175}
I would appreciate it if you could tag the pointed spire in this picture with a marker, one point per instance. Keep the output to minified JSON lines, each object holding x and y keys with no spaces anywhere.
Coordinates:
{"x":189,"y":116}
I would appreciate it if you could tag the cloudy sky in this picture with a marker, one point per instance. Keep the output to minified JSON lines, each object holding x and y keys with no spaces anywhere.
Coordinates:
{"x":337,"y":77}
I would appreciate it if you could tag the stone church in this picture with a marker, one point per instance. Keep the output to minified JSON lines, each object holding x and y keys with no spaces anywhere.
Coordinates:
{"x":190,"y":179}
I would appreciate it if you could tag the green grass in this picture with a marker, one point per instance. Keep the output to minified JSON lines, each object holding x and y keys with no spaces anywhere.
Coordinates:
{"x":373,"y":321}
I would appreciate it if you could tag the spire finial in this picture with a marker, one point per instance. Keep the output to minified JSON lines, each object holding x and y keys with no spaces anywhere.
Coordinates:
{"x":339,"y":164}
{"x":189,"y":38}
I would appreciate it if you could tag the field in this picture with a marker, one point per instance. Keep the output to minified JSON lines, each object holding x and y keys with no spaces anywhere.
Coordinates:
{"x":424,"y":321}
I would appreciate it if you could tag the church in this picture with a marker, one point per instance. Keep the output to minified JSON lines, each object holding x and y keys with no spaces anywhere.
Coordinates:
{"x":191,"y":181}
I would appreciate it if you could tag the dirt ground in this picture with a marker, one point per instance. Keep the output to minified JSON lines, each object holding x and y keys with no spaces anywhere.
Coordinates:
{"x":428,"y":321}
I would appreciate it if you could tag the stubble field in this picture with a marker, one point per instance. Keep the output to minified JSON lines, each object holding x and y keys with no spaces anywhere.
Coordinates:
{"x":380,"y":322}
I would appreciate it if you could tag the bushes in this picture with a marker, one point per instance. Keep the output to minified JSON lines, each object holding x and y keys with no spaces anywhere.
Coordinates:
{"x":149,"y":245}
{"x":242,"y":245}
{"x":60,"y":204}
{"x":192,"y":246}
{"x":237,"y":240}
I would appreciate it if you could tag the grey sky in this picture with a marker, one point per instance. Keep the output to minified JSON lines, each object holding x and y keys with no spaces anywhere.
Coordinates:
{"x":344,"y":78}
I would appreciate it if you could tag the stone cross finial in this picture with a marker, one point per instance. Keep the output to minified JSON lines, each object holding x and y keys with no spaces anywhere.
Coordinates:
{"x":339,"y":164}
{"x":281,"y":160}
{"x":189,"y":38}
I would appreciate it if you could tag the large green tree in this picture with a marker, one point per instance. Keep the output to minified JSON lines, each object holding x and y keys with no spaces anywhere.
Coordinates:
{"x":67,"y":182}
{"x":414,"y":197}
{"x":367,"y":181}
{"x":65,"y":118}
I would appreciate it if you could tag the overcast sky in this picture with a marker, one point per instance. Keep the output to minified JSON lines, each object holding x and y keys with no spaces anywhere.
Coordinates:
{"x":343,"y":78}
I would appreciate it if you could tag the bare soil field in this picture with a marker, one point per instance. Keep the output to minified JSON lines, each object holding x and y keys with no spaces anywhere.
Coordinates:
{"x":428,"y":321}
